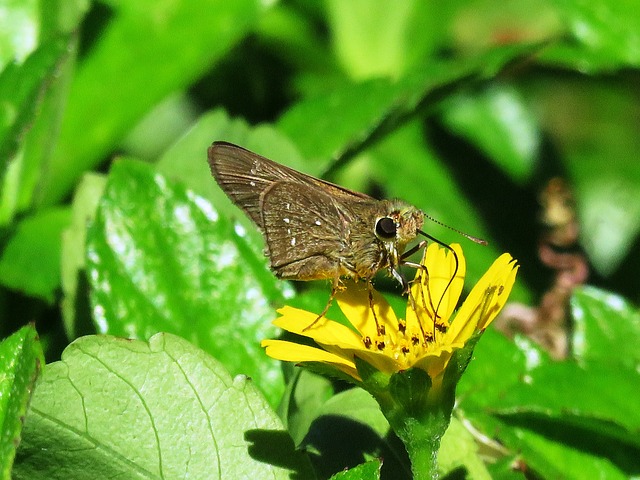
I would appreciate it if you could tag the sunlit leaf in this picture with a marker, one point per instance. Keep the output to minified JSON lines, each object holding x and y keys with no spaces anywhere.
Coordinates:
{"x":163,"y":259}
{"x":20,"y":362}
{"x":164,"y":409}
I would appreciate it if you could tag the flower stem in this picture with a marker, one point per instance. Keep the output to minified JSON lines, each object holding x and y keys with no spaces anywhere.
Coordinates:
{"x":422,"y":441}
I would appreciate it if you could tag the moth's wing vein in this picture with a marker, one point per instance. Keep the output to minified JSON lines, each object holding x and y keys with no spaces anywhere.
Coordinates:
{"x":244,"y":176}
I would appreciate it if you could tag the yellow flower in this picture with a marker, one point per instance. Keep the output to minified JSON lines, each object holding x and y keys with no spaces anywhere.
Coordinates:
{"x":425,"y":339}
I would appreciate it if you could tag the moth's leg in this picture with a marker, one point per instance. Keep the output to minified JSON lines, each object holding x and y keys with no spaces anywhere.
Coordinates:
{"x":403,"y":261}
{"x":334,"y":289}
{"x":419,"y":246}
{"x":412,"y":301}
{"x":423,"y":270}
{"x":379,"y":328}
{"x":400,"y":278}
{"x":434,"y":308}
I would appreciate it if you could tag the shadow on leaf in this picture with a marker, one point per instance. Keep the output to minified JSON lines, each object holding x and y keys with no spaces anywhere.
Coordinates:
{"x":275,"y":447}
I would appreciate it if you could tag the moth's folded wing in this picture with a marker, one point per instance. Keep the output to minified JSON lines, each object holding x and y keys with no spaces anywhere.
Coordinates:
{"x":301,"y":222}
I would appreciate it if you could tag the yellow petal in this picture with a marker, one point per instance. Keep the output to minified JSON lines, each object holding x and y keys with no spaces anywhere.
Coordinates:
{"x":437,"y":360}
{"x":504,"y":286}
{"x":294,"y":352}
{"x":436,"y":289}
{"x":485,"y":300}
{"x":324,"y":331}
{"x":380,"y":361}
{"x":354,"y":303}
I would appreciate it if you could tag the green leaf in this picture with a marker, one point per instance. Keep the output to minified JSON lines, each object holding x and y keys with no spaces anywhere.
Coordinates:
{"x":38,"y":51}
{"x":604,"y":35}
{"x":606,"y":328}
{"x":497,"y":365}
{"x":366,"y":471}
{"x":292,"y":34}
{"x":507,"y":468}
{"x":164,"y":409}
{"x":547,"y":458}
{"x":388,"y":38}
{"x":306,"y":393}
{"x":513,"y":392}
{"x":18,"y":35}
{"x":370,"y":110}
{"x":162,"y":259}
{"x":172,"y":116}
{"x":147,"y":51}
{"x":30,"y":262}
{"x":75,"y":302}
{"x":349,"y":429}
{"x":459,"y":450}
{"x":499,"y":123}
{"x":311,"y":123}
{"x":594,"y":397}
{"x":20,"y":361}
{"x":32,"y":96}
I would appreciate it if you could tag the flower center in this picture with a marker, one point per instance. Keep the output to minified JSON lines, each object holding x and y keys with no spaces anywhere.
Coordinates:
{"x":407,"y":345}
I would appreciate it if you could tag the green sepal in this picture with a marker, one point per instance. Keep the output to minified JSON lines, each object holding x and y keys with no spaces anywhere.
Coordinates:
{"x":458,"y":364}
{"x":373,"y":380}
{"x":410,"y":390}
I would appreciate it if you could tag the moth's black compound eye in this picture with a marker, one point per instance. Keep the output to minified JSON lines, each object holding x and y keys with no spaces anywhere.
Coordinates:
{"x":386,"y":228}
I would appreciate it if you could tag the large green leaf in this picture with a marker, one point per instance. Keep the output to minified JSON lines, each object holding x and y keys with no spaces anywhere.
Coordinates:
{"x":306,"y":394}
{"x":162,"y":259}
{"x":350,"y":428}
{"x":497,"y":365}
{"x":124,"y":408}
{"x":32,"y":95}
{"x":551,"y":412}
{"x":146,"y":51}
{"x":595,"y":396}
{"x":548,"y":458}
{"x":606,"y":328}
{"x":37,"y":53}
{"x":30,"y":262}
{"x":20,"y":361}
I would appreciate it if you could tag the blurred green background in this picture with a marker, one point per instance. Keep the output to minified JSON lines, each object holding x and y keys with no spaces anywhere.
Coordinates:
{"x":464,"y":108}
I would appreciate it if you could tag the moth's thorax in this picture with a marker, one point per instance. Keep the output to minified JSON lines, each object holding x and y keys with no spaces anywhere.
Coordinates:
{"x":379,"y":238}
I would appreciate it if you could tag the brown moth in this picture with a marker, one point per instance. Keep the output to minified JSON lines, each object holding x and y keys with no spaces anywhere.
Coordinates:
{"x":315,"y":229}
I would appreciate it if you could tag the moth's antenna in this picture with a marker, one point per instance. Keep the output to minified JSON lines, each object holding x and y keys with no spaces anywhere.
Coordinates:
{"x":466,"y":235}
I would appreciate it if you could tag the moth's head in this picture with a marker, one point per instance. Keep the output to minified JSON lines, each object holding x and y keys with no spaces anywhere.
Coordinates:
{"x":399,"y":223}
